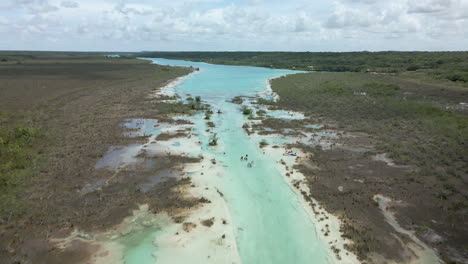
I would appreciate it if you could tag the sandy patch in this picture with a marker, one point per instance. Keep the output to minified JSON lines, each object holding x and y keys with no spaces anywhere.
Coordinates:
{"x":418,"y":252}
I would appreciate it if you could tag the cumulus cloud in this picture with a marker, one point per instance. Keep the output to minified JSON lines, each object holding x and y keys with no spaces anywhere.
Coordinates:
{"x":428,"y":6}
{"x":424,"y":19}
{"x":133,"y":9}
{"x":248,"y":25}
{"x":345,"y":16}
{"x":35,"y":6}
{"x":69,"y":4}
{"x":365,"y":1}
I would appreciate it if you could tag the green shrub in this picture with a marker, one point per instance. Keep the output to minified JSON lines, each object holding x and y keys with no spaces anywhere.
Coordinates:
{"x":265,"y":101}
{"x":381,"y":89}
{"x":237,"y":100}
{"x":458,"y":77}
{"x":213,"y":140}
{"x":413,"y":68}
{"x":246,"y":110}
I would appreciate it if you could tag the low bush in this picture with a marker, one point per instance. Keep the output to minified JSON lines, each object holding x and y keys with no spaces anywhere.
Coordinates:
{"x":246,"y":110}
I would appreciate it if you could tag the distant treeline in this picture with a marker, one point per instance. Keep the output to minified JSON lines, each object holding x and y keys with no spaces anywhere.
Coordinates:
{"x":452,"y":66}
{"x":20,"y":56}
{"x":444,"y":65}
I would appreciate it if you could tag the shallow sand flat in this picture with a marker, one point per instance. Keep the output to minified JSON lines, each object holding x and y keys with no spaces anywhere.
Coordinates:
{"x":201,"y":244}
{"x":169,"y":89}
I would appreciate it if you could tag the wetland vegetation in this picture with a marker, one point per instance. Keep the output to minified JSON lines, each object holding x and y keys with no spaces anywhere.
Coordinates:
{"x":422,"y":125}
{"x":59,"y":114}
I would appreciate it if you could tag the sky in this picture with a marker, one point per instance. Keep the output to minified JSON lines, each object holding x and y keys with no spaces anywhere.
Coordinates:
{"x":236,"y":25}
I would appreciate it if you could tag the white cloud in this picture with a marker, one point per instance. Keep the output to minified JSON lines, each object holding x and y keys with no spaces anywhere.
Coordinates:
{"x":428,"y":6}
{"x":345,"y":16}
{"x":4,"y":21}
{"x":249,"y":25}
{"x":35,"y":6}
{"x":69,"y":4}
{"x":365,"y":1}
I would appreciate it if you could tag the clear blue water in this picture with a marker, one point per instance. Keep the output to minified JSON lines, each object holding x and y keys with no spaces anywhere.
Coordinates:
{"x":271,"y":226}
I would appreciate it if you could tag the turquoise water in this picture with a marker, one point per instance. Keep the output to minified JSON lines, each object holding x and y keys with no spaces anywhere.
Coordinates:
{"x":271,"y":226}
{"x":139,"y":246}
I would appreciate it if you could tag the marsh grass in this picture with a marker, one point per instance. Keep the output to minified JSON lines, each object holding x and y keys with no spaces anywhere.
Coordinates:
{"x":58,"y":114}
{"x":265,"y":101}
{"x":411,"y":128}
{"x":237,"y":100}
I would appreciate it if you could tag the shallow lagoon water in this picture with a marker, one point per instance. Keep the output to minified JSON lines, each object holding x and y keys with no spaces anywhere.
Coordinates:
{"x":271,"y":225}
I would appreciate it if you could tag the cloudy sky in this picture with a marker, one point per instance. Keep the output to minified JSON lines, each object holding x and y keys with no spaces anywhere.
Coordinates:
{"x":287,"y":25}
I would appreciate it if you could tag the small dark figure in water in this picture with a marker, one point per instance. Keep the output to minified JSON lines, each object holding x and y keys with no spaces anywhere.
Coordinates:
{"x":242,"y":158}
{"x":246,"y":158}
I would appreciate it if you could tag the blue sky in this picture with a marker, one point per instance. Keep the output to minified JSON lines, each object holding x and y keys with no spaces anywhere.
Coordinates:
{"x":265,"y":25}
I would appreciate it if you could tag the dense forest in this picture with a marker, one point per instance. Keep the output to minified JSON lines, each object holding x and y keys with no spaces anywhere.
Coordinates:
{"x":441,"y":65}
